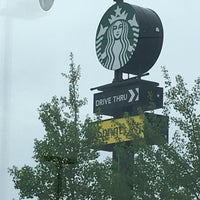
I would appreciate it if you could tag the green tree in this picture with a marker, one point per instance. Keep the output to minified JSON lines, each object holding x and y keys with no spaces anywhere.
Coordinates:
{"x":67,"y":166}
{"x":66,"y":160}
{"x":169,"y":171}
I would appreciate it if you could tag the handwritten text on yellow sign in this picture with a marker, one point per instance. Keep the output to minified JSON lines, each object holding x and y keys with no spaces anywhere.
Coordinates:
{"x":122,"y":129}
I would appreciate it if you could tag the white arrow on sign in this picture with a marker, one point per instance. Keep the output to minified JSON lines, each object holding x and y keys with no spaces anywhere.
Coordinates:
{"x":134,"y":94}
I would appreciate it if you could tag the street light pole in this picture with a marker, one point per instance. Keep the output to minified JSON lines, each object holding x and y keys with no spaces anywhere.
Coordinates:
{"x":60,"y":162}
{"x":6,"y":60}
{"x":59,"y":180}
{"x":8,"y":12}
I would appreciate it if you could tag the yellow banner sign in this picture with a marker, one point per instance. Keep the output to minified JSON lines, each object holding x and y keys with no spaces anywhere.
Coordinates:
{"x":120,"y":130}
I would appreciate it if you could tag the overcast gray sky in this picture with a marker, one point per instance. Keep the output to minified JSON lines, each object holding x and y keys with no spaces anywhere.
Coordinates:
{"x":35,"y":47}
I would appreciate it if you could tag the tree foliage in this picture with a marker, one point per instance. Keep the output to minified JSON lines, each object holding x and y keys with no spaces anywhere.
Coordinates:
{"x":169,"y":171}
{"x":66,"y":162}
{"x":67,"y":166}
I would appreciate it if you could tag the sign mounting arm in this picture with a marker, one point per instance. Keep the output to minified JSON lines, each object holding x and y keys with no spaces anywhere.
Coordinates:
{"x":118,"y":1}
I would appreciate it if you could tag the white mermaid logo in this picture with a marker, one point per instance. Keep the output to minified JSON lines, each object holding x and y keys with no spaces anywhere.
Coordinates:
{"x":118,"y":47}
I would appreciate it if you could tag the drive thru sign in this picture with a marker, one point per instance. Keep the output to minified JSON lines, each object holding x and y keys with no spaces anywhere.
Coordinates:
{"x":127,"y":99}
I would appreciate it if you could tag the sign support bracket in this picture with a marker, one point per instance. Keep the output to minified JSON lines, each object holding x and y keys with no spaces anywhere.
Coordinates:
{"x":118,"y":76}
{"x":118,"y":1}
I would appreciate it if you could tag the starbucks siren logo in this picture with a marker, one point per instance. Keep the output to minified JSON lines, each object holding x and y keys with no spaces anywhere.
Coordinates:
{"x":117,"y":36}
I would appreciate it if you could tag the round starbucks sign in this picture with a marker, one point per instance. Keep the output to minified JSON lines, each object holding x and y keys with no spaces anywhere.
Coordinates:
{"x":119,"y":37}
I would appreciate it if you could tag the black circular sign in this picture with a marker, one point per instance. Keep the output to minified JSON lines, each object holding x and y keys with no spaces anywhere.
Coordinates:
{"x":129,"y":38}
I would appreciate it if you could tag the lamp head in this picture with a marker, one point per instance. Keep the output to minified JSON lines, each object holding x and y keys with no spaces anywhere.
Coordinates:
{"x":46,"y":4}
